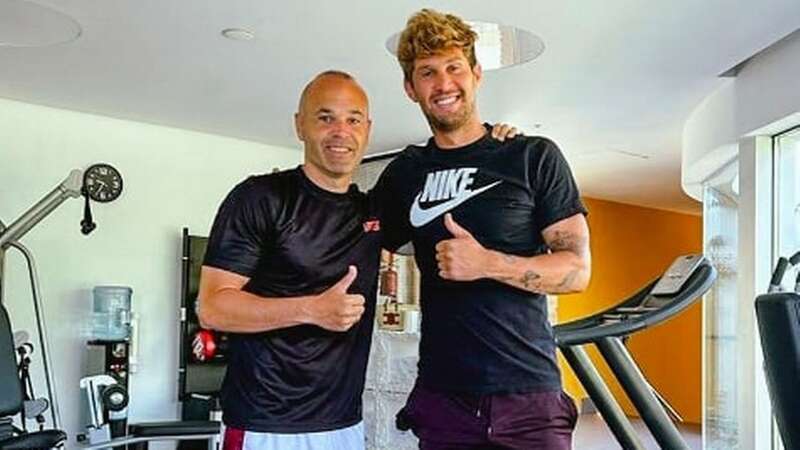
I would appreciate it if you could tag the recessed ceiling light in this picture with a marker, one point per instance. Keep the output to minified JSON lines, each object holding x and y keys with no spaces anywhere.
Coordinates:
{"x":28,"y":24}
{"x":238,"y":34}
{"x":497,"y":46}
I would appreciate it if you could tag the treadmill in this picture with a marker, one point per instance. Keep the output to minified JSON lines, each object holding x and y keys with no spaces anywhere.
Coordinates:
{"x":684,"y":282}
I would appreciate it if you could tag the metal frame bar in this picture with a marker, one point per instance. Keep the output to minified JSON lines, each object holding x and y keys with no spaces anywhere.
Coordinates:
{"x":127,"y":440}
{"x":640,"y":393}
{"x":599,"y":393}
{"x":41,"y":326}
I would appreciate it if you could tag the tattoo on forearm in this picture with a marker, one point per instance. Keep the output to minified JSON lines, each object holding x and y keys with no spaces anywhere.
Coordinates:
{"x":530,"y":279}
{"x":561,"y":240}
{"x":569,"y":278}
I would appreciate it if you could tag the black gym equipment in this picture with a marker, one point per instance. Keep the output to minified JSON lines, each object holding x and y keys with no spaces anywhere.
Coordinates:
{"x":11,"y":400}
{"x":199,"y":382}
{"x":778,"y":316}
{"x":197,"y":379}
{"x":686,"y":280}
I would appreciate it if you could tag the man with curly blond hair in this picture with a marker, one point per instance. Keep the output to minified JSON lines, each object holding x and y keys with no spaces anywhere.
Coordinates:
{"x":495,"y":226}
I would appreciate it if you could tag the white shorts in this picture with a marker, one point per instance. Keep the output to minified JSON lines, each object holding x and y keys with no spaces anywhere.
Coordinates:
{"x":350,"y":438}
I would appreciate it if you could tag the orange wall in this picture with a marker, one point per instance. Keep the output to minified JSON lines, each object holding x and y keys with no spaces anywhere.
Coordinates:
{"x":632,"y":245}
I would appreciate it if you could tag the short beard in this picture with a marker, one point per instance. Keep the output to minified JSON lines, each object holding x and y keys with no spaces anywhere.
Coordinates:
{"x":452,"y":123}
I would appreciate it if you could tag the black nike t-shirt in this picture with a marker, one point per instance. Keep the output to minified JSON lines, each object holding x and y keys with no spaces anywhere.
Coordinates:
{"x":481,"y":336}
{"x":292,"y":238}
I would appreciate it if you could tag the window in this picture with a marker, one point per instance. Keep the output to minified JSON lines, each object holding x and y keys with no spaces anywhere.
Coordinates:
{"x":721,"y":313}
{"x":787,"y":198}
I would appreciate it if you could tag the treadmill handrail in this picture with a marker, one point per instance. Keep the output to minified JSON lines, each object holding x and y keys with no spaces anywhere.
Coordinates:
{"x":594,"y":327}
{"x":594,"y":319}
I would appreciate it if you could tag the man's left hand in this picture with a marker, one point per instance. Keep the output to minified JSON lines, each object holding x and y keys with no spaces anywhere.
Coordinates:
{"x":503,"y":131}
{"x":461,"y":258}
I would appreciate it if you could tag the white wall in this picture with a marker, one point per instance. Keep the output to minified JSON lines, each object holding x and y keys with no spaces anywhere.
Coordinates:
{"x":173,"y":178}
{"x":763,"y":99}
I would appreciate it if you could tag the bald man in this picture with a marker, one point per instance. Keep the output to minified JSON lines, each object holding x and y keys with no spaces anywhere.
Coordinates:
{"x":291,"y":273}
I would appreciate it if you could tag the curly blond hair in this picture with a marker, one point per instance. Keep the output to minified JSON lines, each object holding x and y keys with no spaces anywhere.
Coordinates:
{"x":429,"y":32}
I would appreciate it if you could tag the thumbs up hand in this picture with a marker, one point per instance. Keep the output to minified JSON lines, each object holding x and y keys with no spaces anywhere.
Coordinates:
{"x":461,"y":258}
{"x":335,"y":309}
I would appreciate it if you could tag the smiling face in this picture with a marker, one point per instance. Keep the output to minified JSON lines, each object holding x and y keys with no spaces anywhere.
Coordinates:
{"x":444,"y":85}
{"x":333,"y":122}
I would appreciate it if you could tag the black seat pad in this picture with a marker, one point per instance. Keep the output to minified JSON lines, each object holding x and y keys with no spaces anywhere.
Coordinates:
{"x":33,"y":441}
{"x":11,"y":397}
{"x":779,"y":323}
{"x":174,"y":428}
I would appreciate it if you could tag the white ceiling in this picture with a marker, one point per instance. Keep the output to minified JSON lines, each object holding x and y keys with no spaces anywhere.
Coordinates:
{"x":616,"y":75}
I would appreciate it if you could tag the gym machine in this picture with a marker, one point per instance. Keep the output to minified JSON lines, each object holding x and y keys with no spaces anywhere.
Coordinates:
{"x":685,"y":281}
{"x":778,"y":314}
{"x":203,"y":353}
{"x":102,"y":183}
{"x":202,"y":366}
{"x":201,"y":369}
{"x":99,"y":183}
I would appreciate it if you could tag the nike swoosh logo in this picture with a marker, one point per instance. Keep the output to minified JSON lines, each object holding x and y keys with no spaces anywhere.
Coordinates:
{"x":420,"y":217}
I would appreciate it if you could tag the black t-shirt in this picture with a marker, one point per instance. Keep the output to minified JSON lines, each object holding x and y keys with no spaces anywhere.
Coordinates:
{"x":292,"y":238}
{"x":482,"y":336}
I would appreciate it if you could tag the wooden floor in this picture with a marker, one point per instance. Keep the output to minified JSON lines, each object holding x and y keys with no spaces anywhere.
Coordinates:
{"x":593,"y":434}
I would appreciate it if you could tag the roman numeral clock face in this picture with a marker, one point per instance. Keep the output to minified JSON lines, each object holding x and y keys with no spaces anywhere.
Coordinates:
{"x":102,"y":183}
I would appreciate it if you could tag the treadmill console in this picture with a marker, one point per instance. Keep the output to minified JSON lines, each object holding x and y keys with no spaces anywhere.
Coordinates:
{"x":661,"y":294}
{"x":671,"y":283}
{"x":676,"y":276}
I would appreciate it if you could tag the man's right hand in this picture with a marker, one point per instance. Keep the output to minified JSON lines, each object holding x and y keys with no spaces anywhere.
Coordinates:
{"x":335,"y":309}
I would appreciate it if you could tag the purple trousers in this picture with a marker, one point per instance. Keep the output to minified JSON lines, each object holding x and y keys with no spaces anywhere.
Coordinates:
{"x":529,"y":421}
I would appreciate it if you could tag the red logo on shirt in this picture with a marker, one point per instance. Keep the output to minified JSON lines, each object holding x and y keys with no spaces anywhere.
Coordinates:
{"x":371,"y":226}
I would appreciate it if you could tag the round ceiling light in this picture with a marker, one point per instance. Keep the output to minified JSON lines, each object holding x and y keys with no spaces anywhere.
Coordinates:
{"x":238,"y":34}
{"x":498,"y":46}
{"x":28,"y":24}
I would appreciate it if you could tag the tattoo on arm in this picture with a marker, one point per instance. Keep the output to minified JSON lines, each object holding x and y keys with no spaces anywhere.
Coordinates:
{"x":530,"y":279}
{"x":566,"y":241}
{"x":569,"y":269}
{"x":569,"y":278}
{"x":576,"y":243}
